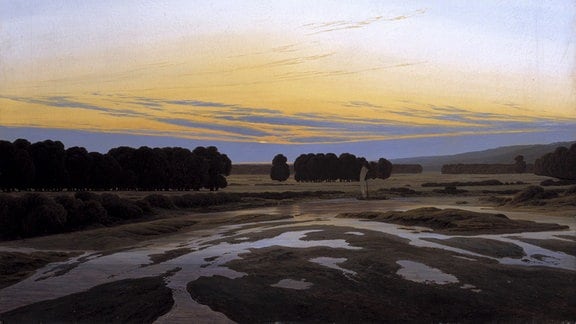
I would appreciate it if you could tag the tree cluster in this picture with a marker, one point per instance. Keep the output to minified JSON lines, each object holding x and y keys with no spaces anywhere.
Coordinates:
{"x":280,"y":170}
{"x":559,"y":164}
{"x":328,"y":167}
{"x":47,"y":165}
{"x":519,"y":166}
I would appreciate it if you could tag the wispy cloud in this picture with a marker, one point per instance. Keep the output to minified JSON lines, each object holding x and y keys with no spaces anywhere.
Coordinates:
{"x":337,"y":25}
{"x":68,"y":102}
{"x":204,"y":119}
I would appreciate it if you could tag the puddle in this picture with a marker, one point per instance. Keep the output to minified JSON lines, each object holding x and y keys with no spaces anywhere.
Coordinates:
{"x":419,"y":272}
{"x":293,"y":284}
{"x":332,"y":263}
{"x":471,"y":288}
{"x":207,"y":258}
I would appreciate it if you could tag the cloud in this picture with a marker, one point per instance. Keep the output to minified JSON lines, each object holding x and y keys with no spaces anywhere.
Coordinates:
{"x":68,"y":102}
{"x":233,"y":130}
{"x":213,"y":120}
{"x":359,"y":104}
{"x":337,"y":25}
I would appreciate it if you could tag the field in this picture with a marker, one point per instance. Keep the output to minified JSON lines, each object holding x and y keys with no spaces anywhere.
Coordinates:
{"x":475,"y":251}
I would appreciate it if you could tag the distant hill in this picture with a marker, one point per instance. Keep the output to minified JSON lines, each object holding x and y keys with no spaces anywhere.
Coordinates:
{"x":503,"y":154}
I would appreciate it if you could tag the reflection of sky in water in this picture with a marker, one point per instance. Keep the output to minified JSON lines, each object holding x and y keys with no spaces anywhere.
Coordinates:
{"x":208,"y":257}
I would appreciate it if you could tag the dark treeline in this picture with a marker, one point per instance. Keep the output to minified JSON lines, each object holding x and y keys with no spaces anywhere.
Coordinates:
{"x":328,"y":167}
{"x":47,"y":165}
{"x":407,"y":168}
{"x":559,"y":164}
{"x":519,"y":166}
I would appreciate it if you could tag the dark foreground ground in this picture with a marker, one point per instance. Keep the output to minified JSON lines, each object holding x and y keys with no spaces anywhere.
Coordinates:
{"x":364,"y":282}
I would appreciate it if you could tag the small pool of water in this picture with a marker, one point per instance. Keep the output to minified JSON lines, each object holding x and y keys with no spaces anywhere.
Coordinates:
{"x":419,"y":272}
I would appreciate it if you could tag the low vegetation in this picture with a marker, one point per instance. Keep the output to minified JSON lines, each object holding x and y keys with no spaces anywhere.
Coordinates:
{"x":467,"y":183}
{"x":455,"y":221}
{"x":37,"y":214}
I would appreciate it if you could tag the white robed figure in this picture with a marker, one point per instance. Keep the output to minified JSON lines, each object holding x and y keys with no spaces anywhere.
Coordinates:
{"x":363,"y":183}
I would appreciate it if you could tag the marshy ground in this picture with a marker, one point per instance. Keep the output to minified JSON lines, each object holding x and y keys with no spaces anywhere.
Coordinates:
{"x":403,"y":258}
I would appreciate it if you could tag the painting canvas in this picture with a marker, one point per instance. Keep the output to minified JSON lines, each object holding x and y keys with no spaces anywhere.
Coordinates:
{"x":302,"y":161}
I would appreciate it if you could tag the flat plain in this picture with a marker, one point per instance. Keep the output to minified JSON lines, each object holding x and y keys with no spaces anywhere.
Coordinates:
{"x":407,"y":253}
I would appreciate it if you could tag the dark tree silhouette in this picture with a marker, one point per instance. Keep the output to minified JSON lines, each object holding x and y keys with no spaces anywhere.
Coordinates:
{"x":79,"y":166}
{"x":327,"y":167}
{"x":50,"y":162}
{"x":520,"y":165}
{"x":280,"y":170}
{"x":7,"y":165}
{"x":384,"y":169}
{"x":47,"y":165}
{"x":559,"y":164}
{"x":104,"y":172}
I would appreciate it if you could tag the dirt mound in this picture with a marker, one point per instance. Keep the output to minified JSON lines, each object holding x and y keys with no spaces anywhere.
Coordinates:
{"x":455,"y":221}
{"x":126,"y":301}
{"x":15,"y":266}
{"x":493,"y":248}
{"x":462,"y":184}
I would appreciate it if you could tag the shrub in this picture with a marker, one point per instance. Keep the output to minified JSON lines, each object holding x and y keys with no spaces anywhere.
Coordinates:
{"x":10,"y":213}
{"x":551,"y":182}
{"x":533,"y":193}
{"x":44,"y":219}
{"x":92,"y":212}
{"x":160,"y":201}
{"x":529,"y":193}
{"x":86,"y":195}
{"x":570,"y":191}
{"x":120,"y":208}
{"x":450,"y":190}
{"x":145,"y":206}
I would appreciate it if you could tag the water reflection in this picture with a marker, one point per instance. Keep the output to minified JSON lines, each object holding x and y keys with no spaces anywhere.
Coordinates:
{"x":211,"y":249}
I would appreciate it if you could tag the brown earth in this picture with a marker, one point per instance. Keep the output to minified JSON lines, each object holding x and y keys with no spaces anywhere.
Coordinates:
{"x":455,"y":221}
{"x":126,"y":301}
{"x":483,"y":246}
{"x":376,"y":293}
{"x":16,"y":266}
{"x":554,"y":245}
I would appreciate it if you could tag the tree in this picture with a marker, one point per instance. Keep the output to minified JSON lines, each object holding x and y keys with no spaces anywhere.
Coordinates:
{"x":559,"y":164}
{"x":280,"y":170}
{"x":50,"y":162}
{"x":105,"y":171}
{"x":384,"y":169}
{"x":520,"y":165}
{"x":79,"y":166}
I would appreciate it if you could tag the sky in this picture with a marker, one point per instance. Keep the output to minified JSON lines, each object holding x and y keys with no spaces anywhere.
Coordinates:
{"x":260,"y":77}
